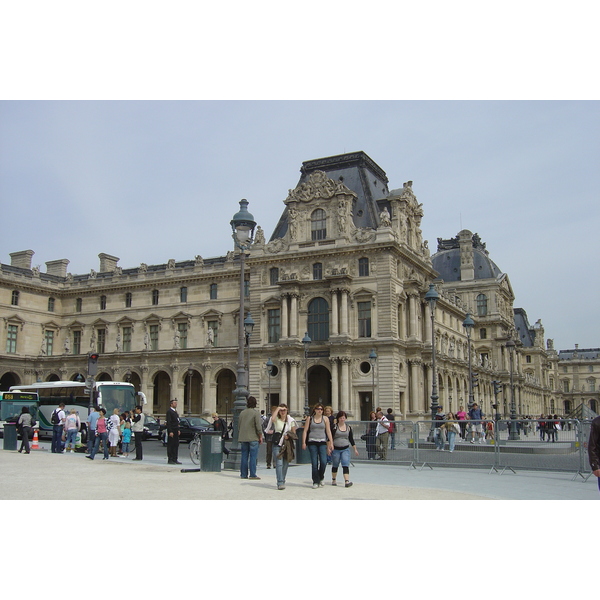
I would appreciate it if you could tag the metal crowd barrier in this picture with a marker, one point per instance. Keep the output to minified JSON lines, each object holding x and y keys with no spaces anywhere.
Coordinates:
{"x":500,"y":446}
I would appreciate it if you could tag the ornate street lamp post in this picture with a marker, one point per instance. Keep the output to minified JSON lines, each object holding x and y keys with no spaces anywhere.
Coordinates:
{"x":269,"y":366}
{"x":432,"y":297}
{"x":190,"y":374}
{"x":372,"y":361}
{"x":468,"y":324}
{"x":248,"y":328}
{"x":513,"y":434}
{"x":307,"y":342}
{"x":242,"y":225}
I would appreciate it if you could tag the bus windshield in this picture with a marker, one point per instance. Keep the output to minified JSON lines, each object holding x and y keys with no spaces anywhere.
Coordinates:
{"x":11,"y":404}
{"x":122,"y":397}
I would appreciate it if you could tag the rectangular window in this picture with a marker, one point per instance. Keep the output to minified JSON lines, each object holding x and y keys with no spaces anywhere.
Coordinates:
{"x":49,"y":342}
{"x":274,"y":276}
{"x":274,"y":325}
{"x":183,"y":294}
{"x":183,"y":334}
{"x":101,"y":348}
{"x":154,"y":297}
{"x":483,"y":333}
{"x":77,"y":342}
{"x":566,"y":386}
{"x":318,"y":271}
{"x":11,"y":339}
{"x":528,"y":358}
{"x":363,"y":267}
{"x":213,"y":291}
{"x":213,"y":325}
{"x":153,"y":337}
{"x":102,"y":302}
{"x":364,"y":319}
{"x":126,"y":339}
{"x":51,"y":303}
{"x":15,"y":298}
{"x":128,"y":297}
{"x":247,"y":288}
{"x":78,"y":304}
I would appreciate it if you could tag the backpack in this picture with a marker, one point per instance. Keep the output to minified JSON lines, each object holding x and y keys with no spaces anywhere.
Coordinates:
{"x":55,"y":419}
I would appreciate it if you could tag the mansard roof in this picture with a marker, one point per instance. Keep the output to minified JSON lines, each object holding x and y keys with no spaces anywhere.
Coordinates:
{"x":359,"y":173}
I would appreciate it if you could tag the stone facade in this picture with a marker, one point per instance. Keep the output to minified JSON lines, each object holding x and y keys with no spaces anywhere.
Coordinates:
{"x":346,"y":263}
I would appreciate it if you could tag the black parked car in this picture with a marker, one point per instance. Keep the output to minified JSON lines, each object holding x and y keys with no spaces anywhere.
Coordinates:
{"x":151,"y":428}
{"x":188,"y":426}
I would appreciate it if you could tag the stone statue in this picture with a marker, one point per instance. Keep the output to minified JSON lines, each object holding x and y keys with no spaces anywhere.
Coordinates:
{"x":210,"y":338}
{"x":384,"y":217}
{"x":119,"y":345}
{"x":259,"y":238}
{"x":146,"y":341}
{"x":176,"y":339}
{"x":67,"y":345}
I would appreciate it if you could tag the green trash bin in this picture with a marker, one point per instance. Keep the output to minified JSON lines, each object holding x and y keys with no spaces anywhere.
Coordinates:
{"x":302,"y":456}
{"x":211,"y":451}
{"x":10,"y":436}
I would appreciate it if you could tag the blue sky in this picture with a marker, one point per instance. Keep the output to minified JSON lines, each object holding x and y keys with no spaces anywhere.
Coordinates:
{"x":150,"y":180}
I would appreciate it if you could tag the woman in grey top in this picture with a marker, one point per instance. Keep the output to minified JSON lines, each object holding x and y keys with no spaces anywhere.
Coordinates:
{"x":317,"y":436}
{"x":24,"y":424}
{"x":342,"y":440}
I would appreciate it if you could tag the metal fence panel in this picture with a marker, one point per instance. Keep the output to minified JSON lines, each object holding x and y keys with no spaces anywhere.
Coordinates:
{"x":399,"y":447}
{"x":548,"y":445}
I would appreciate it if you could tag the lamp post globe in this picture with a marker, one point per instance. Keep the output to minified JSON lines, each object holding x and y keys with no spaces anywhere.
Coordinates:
{"x":242,"y":226}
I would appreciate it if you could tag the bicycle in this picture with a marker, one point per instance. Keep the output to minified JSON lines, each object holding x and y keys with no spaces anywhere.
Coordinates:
{"x":195,"y":449}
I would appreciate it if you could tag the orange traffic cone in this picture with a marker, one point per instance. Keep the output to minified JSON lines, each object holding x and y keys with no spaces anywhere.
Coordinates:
{"x":35,"y":445}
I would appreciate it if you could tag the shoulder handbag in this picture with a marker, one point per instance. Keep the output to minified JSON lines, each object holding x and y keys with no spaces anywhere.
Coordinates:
{"x":278,"y":435}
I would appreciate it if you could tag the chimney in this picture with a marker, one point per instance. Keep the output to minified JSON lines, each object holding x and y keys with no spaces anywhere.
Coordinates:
{"x":467,"y":266}
{"x":57,"y":267}
{"x":21,"y":259}
{"x":108,"y":263}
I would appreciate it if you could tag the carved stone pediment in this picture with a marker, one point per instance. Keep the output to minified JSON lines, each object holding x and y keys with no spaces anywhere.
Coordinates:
{"x":318,"y":186}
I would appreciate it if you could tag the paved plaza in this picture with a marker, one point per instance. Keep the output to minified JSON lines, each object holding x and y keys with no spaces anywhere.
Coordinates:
{"x":46,"y":476}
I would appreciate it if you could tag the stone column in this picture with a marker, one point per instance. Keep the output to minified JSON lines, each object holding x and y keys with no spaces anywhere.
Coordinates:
{"x":335,"y":392}
{"x":283,"y":393}
{"x":415,"y":378}
{"x":334,"y":313}
{"x":344,"y":313}
{"x":209,"y":392}
{"x":293,"y":404}
{"x":284,"y":316}
{"x":345,"y":383}
{"x":294,"y":316}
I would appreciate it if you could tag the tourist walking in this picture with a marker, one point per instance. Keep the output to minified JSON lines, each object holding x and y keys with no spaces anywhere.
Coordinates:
{"x":101,"y":436}
{"x":173,"y":434}
{"x":317,"y":436}
{"x":283,"y":428}
{"x":383,"y":427}
{"x":72,"y":427}
{"x":451,"y":428}
{"x":343,"y":440}
{"x":114,"y":432}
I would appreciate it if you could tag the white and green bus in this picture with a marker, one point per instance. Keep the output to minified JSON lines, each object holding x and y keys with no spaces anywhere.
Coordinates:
{"x":11,"y":404}
{"x":106,"y":394}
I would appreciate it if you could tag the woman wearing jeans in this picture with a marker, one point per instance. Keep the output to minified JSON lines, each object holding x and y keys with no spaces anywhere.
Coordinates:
{"x":281,"y":424}
{"x":342,"y":440}
{"x":317,"y":435}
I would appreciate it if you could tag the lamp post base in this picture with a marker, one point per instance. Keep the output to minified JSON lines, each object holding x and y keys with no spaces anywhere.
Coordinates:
{"x":233,"y":462}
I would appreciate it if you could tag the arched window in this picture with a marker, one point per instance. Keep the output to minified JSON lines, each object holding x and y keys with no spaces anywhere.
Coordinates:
{"x":482,"y":305}
{"x":318,"y":320}
{"x":318,"y":225}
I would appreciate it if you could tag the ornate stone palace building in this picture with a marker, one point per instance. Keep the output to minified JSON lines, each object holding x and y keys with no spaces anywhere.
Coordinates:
{"x":346,"y":263}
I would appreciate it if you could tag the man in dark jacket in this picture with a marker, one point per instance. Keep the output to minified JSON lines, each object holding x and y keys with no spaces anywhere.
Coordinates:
{"x":173,"y":434}
{"x":594,"y":448}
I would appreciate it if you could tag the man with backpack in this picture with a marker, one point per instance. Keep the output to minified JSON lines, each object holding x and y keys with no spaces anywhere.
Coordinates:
{"x":58,"y":423}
